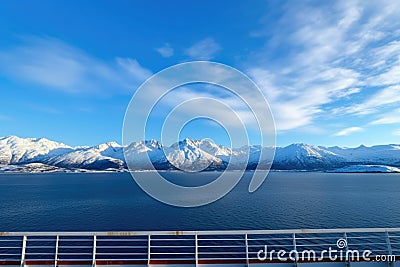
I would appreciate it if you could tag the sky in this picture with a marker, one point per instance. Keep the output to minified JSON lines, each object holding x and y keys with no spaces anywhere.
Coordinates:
{"x":330,"y":70}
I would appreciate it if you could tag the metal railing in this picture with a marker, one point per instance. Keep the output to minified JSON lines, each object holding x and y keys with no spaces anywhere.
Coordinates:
{"x":192,"y":248}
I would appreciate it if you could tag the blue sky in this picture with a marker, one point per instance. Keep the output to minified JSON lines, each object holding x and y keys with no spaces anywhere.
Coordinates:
{"x":329,"y":69}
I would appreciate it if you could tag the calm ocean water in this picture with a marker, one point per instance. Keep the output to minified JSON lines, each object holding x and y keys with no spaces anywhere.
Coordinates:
{"x":89,"y":202}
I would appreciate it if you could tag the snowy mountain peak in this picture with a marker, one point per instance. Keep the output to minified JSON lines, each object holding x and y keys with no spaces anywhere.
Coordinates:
{"x":113,"y":144}
{"x":108,"y":145}
{"x":188,"y":154}
{"x":305,"y":150}
{"x":153,"y":143}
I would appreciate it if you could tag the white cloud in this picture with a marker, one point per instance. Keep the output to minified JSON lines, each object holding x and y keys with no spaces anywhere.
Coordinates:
{"x":384,"y":97}
{"x":298,"y":103}
{"x":334,"y":54}
{"x":203,"y":50}
{"x":133,"y":67}
{"x":388,"y":118}
{"x":166,"y":50}
{"x":389,"y":77}
{"x":348,"y":131}
{"x":56,"y":65}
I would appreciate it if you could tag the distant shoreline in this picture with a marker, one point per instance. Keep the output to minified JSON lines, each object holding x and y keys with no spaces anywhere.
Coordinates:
{"x":180,"y":171}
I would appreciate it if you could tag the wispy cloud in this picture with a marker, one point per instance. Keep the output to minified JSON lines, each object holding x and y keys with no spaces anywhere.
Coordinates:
{"x":297,"y":104}
{"x":348,"y":131}
{"x":166,"y":50}
{"x":56,"y":65}
{"x":203,"y":50}
{"x":392,"y":117}
{"x":387,"y":96}
{"x":341,"y":59}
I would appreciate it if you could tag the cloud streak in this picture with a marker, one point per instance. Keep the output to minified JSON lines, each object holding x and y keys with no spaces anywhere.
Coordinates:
{"x":55,"y":65}
{"x":165,"y":51}
{"x":348,"y":131}
{"x":388,"y":118}
{"x":203,"y":50}
{"x":340,"y":60}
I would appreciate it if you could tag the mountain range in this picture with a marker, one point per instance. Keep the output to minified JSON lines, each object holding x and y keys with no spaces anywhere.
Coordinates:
{"x":43,"y":155}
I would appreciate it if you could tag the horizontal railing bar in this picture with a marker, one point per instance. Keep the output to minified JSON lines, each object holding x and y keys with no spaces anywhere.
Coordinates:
{"x":75,"y":253}
{"x":136,"y":259}
{"x":41,"y":247}
{"x":166,"y":238}
{"x":74,"y":241}
{"x":317,"y":238}
{"x":124,"y":240}
{"x":174,"y":259}
{"x":222,"y":259}
{"x":222,"y":246}
{"x":177,"y":259}
{"x":221,"y":252}
{"x":122,"y":247}
{"x":223,"y":232}
{"x":172,"y":253}
{"x":172,"y":246}
{"x":72,"y":247}
{"x":219,"y":239}
{"x":121,"y":253}
{"x":364,"y":237}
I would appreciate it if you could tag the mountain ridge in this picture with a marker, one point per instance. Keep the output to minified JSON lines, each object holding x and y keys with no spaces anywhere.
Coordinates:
{"x":41,"y":154}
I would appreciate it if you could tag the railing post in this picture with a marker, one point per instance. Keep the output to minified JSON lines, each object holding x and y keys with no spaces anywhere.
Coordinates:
{"x":196,"y":251}
{"x":148,"y":249}
{"x":347,"y":249}
{"x":389,"y":246}
{"x":94,"y":251}
{"x":295,"y":247}
{"x":56,"y":252}
{"x":23,"y":251}
{"x":247,"y":250}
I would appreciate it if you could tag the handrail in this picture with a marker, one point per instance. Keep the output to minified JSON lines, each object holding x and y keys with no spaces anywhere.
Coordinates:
{"x":193,"y":248}
{"x":213,"y":232}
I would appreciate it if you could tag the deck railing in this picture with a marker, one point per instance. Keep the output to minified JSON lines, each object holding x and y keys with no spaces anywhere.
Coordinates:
{"x":200,"y":248}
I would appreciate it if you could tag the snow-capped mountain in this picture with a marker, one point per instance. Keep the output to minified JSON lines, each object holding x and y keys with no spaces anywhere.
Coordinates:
{"x":188,"y":155}
{"x":307,"y":157}
{"x":21,"y":151}
{"x":101,"y":157}
{"x":15,"y":150}
{"x":40,"y":154}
